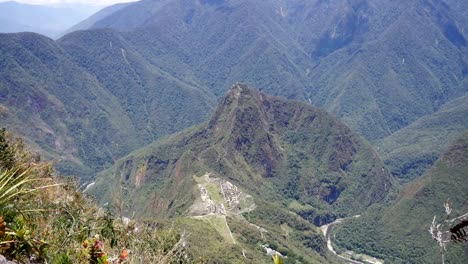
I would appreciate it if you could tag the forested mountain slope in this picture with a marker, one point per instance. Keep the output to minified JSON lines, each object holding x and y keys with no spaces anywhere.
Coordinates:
{"x":400,"y":233}
{"x":412,"y":150}
{"x":81,"y":120}
{"x":88,"y":22}
{"x":379,"y":65}
{"x":60,"y":106}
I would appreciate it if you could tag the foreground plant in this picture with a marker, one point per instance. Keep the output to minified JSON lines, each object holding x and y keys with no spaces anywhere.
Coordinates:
{"x":277,"y":259}
{"x":451,"y":230}
{"x":11,"y":183}
{"x":47,"y":219}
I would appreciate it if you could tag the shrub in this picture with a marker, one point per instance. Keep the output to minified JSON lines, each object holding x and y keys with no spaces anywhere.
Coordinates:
{"x":46,"y":219}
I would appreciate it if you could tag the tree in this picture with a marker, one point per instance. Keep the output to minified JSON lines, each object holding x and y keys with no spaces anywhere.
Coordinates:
{"x":7,"y":153}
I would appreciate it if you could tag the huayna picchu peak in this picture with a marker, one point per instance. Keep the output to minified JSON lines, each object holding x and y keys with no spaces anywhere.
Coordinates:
{"x":284,"y":155}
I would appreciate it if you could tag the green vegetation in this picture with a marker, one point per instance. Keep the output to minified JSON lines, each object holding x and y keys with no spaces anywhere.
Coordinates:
{"x":84,"y":112}
{"x":409,"y":152}
{"x":279,"y":151}
{"x":46,"y":219}
{"x":399,"y":234}
{"x":394,"y":71}
{"x":289,"y":151}
{"x":7,"y":153}
{"x":66,"y":227}
{"x":361,"y":60}
{"x":132,"y":79}
{"x":220,"y":225}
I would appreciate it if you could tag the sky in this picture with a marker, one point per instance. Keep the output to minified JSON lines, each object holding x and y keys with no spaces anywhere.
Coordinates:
{"x":88,"y":2}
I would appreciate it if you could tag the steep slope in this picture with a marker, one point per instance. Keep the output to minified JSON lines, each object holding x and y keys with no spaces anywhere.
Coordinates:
{"x":376,"y":64}
{"x":399,"y":233}
{"x":85,"y":117}
{"x":415,"y":148}
{"x":391,"y":62}
{"x":47,"y":20}
{"x":221,"y":42}
{"x":156,"y":102}
{"x":59,"y":106}
{"x":284,"y":154}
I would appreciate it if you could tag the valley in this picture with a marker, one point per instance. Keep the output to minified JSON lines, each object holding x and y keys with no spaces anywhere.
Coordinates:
{"x":254,"y":128}
{"x":348,"y":256}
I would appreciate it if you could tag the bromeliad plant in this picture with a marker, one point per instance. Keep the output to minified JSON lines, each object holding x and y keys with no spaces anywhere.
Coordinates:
{"x":16,"y":239}
{"x":11,"y":183}
{"x":14,"y":183}
{"x":94,"y":251}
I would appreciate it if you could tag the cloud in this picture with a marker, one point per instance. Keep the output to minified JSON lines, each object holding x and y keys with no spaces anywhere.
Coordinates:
{"x":88,"y":2}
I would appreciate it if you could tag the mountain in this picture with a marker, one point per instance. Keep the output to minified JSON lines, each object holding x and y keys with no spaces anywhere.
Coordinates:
{"x":394,"y":76}
{"x":379,"y":65}
{"x":166,"y":63}
{"x":400,"y":233}
{"x":259,"y":160}
{"x":412,"y":150}
{"x":80,"y":120}
{"x":47,"y":20}
{"x":101,"y":14}
{"x":157,"y":102}
{"x":263,"y":172}
{"x":59,"y":106}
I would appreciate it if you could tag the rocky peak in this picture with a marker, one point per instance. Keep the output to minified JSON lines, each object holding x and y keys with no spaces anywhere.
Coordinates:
{"x":241,"y":124}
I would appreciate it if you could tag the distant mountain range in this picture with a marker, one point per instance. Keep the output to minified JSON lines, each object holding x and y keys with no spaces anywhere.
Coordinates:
{"x":91,"y":20}
{"x":378,"y":65}
{"x":49,"y":20}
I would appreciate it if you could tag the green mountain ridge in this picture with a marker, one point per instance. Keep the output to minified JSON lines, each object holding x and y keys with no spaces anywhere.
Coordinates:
{"x":85,"y":118}
{"x":273,"y":150}
{"x":262,"y":172}
{"x":375,"y":64}
{"x":58,"y":105}
{"x":412,"y":150}
{"x":379,"y":66}
{"x":399,"y":234}
{"x":88,"y":22}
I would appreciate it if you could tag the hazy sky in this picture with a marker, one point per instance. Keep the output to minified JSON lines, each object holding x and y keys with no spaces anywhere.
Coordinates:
{"x":90,"y":2}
